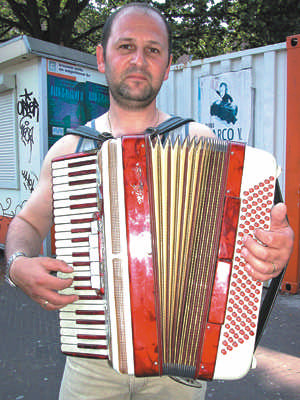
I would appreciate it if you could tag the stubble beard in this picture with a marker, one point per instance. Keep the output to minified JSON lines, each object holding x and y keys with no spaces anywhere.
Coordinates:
{"x":132,"y":98}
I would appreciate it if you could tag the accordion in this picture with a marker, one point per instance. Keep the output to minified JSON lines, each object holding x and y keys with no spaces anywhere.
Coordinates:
{"x":154,"y":232}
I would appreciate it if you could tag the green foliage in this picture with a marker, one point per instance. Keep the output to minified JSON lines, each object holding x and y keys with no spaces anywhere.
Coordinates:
{"x":253,"y":23}
{"x":196,"y":31}
{"x":49,"y":20}
{"x":201,"y":28}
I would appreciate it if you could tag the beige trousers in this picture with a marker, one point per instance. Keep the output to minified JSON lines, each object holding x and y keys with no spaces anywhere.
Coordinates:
{"x":91,"y":379}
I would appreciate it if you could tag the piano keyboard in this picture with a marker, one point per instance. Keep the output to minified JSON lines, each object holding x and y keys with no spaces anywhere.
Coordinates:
{"x":78,"y":242}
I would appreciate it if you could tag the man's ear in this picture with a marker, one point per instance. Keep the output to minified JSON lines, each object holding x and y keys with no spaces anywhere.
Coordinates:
{"x":100,"y":58}
{"x":168,"y":68}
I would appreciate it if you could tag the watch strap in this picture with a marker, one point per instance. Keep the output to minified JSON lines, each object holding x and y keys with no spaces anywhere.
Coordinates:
{"x":11,"y":259}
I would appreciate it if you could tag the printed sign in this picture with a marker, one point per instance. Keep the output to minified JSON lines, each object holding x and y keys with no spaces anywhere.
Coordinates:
{"x":225,"y":104}
{"x":75,"y":72}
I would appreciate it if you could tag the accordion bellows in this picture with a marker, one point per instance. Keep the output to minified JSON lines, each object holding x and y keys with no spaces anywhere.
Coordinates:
{"x":172,"y":219}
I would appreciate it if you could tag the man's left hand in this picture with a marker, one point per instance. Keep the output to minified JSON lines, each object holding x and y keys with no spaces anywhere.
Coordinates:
{"x":269,"y":254}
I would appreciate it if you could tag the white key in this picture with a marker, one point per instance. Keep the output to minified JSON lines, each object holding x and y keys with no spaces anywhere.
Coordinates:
{"x":65,"y":220}
{"x":101,"y":331}
{"x":64,"y":164}
{"x":74,"y":192}
{"x":69,"y":244}
{"x":69,"y":323}
{"x":67,"y":187}
{"x":84,"y":317}
{"x":90,"y":208}
{"x":76,"y":341}
{"x":69,"y":348}
{"x":101,"y":306}
{"x":72,"y":235}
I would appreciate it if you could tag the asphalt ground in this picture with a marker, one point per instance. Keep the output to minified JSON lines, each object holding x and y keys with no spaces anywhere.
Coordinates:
{"x":31,"y":363}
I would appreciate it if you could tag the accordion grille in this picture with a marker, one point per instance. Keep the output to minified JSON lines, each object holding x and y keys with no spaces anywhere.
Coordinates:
{"x":188,"y":196}
{"x":120,"y":314}
{"x":114,"y":199}
{"x":118,"y":266}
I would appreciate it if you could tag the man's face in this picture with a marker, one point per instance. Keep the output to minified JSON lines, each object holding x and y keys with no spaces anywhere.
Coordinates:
{"x":136,"y":61}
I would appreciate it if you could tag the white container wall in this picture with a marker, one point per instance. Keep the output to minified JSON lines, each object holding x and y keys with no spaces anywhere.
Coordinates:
{"x":266,"y":68}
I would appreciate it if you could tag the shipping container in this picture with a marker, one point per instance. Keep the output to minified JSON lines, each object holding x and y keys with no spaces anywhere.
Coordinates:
{"x":44,"y":89}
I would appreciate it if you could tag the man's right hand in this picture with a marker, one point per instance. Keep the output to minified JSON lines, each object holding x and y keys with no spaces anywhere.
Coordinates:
{"x":33,"y":276}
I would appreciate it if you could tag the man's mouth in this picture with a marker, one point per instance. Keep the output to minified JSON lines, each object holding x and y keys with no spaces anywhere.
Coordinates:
{"x":136,"y":77}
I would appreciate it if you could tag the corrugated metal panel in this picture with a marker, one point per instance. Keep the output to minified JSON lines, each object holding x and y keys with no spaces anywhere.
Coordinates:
{"x":8,"y":152}
{"x":179,"y":94}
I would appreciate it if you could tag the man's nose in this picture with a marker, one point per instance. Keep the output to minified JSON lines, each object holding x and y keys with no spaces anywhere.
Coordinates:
{"x":138,"y":57}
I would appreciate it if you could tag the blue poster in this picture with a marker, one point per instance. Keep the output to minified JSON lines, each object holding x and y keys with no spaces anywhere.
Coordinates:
{"x":72,"y":103}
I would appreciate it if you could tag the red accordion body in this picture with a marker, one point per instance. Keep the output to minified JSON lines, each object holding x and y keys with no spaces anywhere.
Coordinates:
{"x":178,"y":299}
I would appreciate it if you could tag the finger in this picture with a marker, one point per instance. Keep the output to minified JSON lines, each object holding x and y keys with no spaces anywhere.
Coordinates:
{"x":272,"y":249}
{"x":279,"y":226}
{"x":255,"y":249}
{"x":259,"y":269}
{"x":253,"y":263}
{"x":52,"y":264}
{"x":45,"y":304}
{"x":51,"y":281}
{"x":279,"y":217}
{"x":51,"y":307}
{"x":269,"y":239}
{"x":55,"y":283}
{"x":279,"y":242}
{"x":51,"y":300}
{"x":257,"y":275}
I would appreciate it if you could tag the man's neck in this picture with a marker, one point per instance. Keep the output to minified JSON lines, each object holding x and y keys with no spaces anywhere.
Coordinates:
{"x":124,"y":122}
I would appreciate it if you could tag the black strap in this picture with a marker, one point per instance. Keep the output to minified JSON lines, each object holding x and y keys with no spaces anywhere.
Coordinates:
{"x":90,"y":133}
{"x":167,"y":126}
{"x":273,"y":289}
{"x":100,"y":137}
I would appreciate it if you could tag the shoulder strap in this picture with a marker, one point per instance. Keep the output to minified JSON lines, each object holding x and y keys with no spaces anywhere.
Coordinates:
{"x":167,"y":126}
{"x":89,"y":133}
{"x":100,"y":137}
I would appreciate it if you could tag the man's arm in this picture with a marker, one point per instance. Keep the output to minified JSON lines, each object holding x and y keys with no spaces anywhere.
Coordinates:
{"x":26,"y":234}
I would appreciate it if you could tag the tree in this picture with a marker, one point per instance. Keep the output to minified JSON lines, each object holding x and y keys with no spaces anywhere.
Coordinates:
{"x":49,"y":20}
{"x":196,"y":31}
{"x":253,"y":23}
{"x":201,"y":28}
{"x":88,"y":27}
{"x":208,"y":28}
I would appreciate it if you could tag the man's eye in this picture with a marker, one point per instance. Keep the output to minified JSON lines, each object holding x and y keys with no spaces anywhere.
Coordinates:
{"x":153,"y":50}
{"x":126,"y":46}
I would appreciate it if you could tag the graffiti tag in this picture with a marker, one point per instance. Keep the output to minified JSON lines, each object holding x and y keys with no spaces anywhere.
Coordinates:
{"x":6,"y":211}
{"x":29,"y":180}
{"x":28,"y":108}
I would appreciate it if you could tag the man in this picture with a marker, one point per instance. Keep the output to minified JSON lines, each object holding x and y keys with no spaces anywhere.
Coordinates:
{"x":136,"y":59}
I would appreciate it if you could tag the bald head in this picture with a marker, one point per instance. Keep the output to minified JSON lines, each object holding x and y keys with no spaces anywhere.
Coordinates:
{"x":143,"y":8}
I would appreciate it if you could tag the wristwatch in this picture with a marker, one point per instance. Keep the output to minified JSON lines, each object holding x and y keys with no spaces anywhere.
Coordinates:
{"x":11,"y":259}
